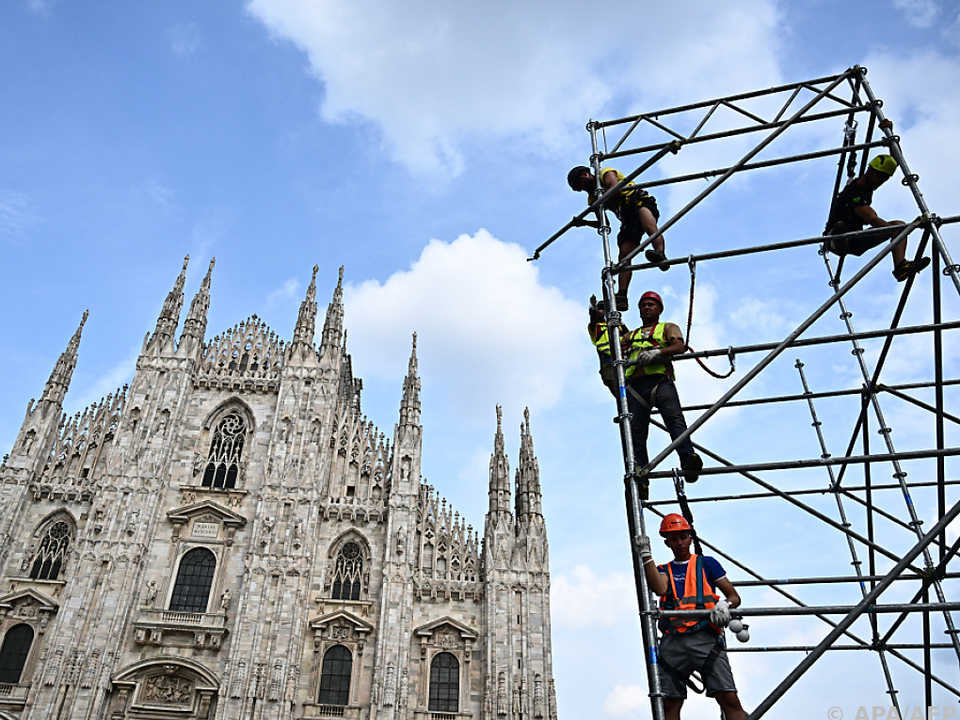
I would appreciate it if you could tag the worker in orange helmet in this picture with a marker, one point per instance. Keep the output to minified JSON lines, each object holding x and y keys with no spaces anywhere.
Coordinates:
{"x":688,"y":645}
{"x":649,"y":350}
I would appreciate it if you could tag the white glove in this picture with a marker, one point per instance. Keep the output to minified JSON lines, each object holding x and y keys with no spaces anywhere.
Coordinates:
{"x":720,"y":615}
{"x":645,"y":552}
{"x":648,"y":356}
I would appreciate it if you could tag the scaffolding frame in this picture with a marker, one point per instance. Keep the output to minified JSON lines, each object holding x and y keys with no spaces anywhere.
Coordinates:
{"x":846,"y":96}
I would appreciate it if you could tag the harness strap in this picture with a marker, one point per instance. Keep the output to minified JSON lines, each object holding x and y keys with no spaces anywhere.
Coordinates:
{"x":653,"y":395}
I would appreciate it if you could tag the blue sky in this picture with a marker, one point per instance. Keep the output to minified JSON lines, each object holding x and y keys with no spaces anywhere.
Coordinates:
{"x":424,"y":147}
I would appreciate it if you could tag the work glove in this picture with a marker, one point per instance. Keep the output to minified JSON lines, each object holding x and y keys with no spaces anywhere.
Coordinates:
{"x":720,"y":615}
{"x":645,"y":552}
{"x":648,"y":356}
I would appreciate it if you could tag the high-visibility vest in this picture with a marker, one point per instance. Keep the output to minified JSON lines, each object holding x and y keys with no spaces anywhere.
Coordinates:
{"x":696,"y":596}
{"x":639,"y":343}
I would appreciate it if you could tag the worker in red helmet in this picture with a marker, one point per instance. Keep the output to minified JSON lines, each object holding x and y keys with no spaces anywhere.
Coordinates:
{"x":852,"y":209}
{"x":650,"y":384}
{"x":688,"y":645}
{"x":634,"y":207}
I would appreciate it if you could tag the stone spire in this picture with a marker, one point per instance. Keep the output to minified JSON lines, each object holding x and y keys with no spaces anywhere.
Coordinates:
{"x":169,"y":315}
{"x":410,"y":404}
{"x":333,"y":325}
{"x":307,"y":319}
{"x":56,"y":388}
{"x":195,"y":326}
{"x":499,"y":490}
{"x":528,"y":476}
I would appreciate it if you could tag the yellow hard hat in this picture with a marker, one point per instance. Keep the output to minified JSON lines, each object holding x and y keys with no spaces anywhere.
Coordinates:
{"x":884,"y":164}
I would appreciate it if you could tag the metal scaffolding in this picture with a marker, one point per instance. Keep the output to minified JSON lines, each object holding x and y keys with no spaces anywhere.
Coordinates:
{"x":887,"y":537}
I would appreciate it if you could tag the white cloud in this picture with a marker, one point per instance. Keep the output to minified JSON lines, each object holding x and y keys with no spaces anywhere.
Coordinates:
{"x":184,"y":39}
{"x":289,"y":290}
{"x":626,"y":701}
{"x":488,"y":331}
{"x":16,"y":215}
{"x":430,"y":75}
{"x":919,"y":13}
{"x":584,"y":600}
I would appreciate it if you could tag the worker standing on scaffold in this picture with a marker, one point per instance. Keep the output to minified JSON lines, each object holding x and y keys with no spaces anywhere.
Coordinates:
{"x":690,"y":582}
{"x":851,"y":210}
{"x":637,"y":211}
{"x":649,"y":350}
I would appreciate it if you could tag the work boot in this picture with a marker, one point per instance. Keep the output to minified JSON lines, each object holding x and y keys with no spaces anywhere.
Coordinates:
{"x":691,"y":466}
{"x":622,"y":302}
{"x":657,"y":258}
{"x":906,"y":268}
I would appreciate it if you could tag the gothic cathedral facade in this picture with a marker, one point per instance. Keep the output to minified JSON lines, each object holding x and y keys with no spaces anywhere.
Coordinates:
{"x":228,"y":537}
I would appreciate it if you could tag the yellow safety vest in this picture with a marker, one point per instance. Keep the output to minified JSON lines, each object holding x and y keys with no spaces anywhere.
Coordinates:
{"x":638,"y":343}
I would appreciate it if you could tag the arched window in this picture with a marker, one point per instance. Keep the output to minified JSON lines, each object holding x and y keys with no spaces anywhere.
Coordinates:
{"x":444,"y":683}
{"x":335,"y":676}
{"x":347,"y":572}
{"x":194,"y":578}
{"x":223,"y":461}
{"x":52,"y":552}
{"x":13,"y":653}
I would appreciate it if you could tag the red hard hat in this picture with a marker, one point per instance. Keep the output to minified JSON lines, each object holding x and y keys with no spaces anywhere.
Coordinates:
{"x":674,"y":522}
{"x":652,"y":294}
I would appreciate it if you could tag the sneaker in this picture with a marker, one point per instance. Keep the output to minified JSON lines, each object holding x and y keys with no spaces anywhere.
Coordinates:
{"x":906,"y":268}
{"x":691,"y":466}
{"x":657,"y":258}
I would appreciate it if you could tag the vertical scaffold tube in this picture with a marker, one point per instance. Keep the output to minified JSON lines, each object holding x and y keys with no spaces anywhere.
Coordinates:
{"x":633,"y":499}
{"x":910,"y":180}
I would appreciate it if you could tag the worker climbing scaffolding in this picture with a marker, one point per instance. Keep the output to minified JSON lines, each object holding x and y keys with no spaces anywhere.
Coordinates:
{"x":852,"y":209}
{"x":637,"y":211}
{"x":692,"y":646}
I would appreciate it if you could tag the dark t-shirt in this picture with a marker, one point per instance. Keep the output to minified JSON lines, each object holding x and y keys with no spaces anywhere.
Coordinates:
{"x":854,"y":195}
{"x":711,"y":567}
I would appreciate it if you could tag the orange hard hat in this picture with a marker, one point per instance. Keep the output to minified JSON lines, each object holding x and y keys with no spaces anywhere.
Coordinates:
{"x":654,"y":296}
{"x":674,"y":522}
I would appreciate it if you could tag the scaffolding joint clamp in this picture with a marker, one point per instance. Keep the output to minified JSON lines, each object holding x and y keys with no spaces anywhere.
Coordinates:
{"x":951,"y":269}
{"x":911,"y":178}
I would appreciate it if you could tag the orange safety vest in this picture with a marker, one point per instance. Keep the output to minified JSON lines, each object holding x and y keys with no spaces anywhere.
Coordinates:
{"x":696,"y":596}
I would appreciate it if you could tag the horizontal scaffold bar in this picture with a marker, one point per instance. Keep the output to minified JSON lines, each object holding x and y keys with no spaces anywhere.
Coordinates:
{"x":819,"y":610}
{"x":820,"y":462}
{"x":808,"y":648}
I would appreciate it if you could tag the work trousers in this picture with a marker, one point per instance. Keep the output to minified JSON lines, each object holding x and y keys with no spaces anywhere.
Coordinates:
{"x":667,"y":401}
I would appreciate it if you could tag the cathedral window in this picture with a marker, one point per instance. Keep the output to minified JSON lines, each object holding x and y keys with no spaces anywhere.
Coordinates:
{"x":53,"y":551}
{"x":347,"y":571}
{"x":444,"y":683}
{"x":335,"y":676}
{"x":223,"y":461}
{"x":191,"y":592}
{"x":13,"y":653}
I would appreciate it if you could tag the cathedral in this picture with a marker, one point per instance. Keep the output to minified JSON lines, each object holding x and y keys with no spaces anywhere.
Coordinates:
{"x":230,"y":538}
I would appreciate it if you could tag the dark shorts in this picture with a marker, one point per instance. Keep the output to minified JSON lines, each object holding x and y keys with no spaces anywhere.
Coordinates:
{"x":630,"y":228}
{"x":686,"y":652}
{"x":852,"y":246}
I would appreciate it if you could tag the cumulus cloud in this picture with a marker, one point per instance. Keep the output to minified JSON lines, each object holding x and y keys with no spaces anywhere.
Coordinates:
{"x":487,"y":329}
{"x":430,"y":76}
{"x":583,"y":600}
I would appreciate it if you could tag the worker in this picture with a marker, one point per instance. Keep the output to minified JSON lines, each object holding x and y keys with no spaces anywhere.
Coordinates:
{"x":599,"y":336}
{"x":649,"y":349}
{"x":690,"y":582}
{"x":637,"y":212}
{"x":851,"y":210}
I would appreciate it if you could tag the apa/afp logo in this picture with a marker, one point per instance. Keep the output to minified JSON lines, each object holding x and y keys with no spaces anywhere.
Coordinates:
{"x":889,"y":712}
